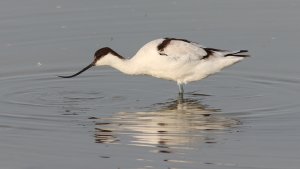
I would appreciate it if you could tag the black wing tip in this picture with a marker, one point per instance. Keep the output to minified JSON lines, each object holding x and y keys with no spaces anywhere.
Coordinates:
{"x":244,"y":56}
{"x":240,"y":53}
{"x":243,"y":51}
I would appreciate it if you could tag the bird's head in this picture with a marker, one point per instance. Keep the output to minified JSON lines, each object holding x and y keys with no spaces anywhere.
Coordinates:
{"x":102,"y":57}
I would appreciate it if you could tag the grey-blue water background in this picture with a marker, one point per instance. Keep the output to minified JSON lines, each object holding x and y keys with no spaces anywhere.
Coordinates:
{"x":246,"y":117}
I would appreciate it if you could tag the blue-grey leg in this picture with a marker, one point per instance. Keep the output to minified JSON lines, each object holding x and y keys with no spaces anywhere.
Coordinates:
{"x":180,"y":88}
{"x":180,"y":94}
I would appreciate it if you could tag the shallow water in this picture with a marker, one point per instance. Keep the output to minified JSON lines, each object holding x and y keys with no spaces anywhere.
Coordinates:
{"x":244,"y":117}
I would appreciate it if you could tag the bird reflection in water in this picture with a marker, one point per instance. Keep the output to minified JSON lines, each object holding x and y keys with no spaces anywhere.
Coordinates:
{"x":180,"y":123}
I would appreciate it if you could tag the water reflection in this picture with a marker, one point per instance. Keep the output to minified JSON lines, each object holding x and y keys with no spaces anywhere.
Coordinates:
{"x":180,"y":123}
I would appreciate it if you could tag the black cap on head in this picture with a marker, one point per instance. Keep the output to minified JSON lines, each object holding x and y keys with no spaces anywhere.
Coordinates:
{"x":104,"y":51}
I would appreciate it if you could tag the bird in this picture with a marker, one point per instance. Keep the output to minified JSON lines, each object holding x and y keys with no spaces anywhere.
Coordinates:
{"x":175,"y":59}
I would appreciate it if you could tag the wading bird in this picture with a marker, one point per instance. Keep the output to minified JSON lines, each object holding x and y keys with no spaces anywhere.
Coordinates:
{"x":179,"y":60}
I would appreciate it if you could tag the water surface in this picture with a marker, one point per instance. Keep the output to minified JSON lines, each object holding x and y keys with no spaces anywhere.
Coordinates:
{"x":244,"y":117}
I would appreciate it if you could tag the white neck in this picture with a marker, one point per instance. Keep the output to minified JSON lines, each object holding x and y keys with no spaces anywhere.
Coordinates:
{"x":124,"y":65}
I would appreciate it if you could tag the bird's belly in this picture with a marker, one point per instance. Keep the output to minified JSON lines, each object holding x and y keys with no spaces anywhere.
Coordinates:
{"x":183,"y":71}
{"x":174,"y":73}
{"x":204,"y":70}
{"x":186,"y":73}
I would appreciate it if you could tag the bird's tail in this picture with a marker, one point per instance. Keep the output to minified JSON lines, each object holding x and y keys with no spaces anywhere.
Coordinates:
{"x":240,"y":53}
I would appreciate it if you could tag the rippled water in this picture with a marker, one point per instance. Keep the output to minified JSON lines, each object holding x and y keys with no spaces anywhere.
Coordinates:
{"x":244,"y":117}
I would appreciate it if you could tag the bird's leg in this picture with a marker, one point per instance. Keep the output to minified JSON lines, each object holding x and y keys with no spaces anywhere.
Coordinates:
{"x":180,"y":99}
{"x":180,"y":88}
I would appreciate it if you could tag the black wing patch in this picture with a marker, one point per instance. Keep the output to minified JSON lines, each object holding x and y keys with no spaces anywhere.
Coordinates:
{"x":210,"y":52}
{"x":161,"y":47}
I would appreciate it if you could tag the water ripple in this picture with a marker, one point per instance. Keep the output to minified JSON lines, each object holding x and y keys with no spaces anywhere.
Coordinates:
{"x":123,"y":112}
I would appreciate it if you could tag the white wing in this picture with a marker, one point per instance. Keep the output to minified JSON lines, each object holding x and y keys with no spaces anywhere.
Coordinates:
{"x":181,"y":49}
